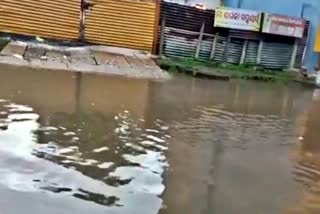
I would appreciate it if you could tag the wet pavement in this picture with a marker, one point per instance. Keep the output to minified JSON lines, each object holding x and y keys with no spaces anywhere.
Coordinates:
{"x":72,"y":142}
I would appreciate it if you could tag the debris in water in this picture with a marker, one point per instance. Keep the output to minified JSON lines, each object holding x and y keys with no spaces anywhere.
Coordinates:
{"x":300,"y":138}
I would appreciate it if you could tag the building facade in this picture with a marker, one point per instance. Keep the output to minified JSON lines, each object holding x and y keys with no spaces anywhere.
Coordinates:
{"x":307,"y":9}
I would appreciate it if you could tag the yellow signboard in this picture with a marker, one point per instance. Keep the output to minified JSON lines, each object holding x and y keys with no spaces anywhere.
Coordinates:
{"x":237,"y":19}
{"x":317,"y":43}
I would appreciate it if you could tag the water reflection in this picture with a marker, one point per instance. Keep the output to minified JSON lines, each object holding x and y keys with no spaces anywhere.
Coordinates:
{"x":73,"y":142}
{"x":118,"y":152}
{"x":87,"y":142}
{"x":122,"y":160}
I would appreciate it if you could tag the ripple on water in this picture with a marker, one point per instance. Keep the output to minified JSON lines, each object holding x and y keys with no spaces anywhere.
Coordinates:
{"x":235,"y":129}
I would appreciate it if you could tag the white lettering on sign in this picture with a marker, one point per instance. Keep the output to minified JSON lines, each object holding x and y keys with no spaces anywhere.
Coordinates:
{"x":237,"y":19}
{"x":283,"y":25}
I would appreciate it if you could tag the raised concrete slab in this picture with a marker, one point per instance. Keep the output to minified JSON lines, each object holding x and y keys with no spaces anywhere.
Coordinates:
{"x":89,"y":59}
{"x":111,"y":59}
{"x":14,"y":49}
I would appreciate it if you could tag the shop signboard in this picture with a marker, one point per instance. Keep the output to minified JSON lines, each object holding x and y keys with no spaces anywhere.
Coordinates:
{"x":283,"y":25}
{"x":237,"y":19}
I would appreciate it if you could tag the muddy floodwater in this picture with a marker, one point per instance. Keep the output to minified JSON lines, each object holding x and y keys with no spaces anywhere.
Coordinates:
{"x":78,"y":143}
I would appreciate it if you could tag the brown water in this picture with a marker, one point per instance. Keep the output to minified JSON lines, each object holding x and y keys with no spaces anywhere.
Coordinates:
{"x":76,"y":143}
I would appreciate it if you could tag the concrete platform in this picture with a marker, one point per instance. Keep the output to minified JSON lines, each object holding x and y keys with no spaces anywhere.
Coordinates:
{"x":89,"y":59}
{"x":14,"y":49}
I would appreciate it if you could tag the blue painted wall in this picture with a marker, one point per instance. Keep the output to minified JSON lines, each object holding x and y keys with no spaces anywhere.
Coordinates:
{"x":308,"y":9}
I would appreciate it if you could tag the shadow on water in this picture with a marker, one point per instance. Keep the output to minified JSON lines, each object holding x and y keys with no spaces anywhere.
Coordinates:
{"x":74,"y":142}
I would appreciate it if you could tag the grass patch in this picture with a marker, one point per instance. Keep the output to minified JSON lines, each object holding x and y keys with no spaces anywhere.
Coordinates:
{"x":3,"y":43}
{"x":188,"y":65}
{"x":185,"y":62}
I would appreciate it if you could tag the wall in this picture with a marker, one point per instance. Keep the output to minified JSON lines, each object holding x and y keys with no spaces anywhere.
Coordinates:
{"x":308,"y":9}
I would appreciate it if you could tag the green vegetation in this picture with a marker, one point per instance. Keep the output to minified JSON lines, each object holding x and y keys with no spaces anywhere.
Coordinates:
{"x":3,"y":43}
{"x":191,"y":66}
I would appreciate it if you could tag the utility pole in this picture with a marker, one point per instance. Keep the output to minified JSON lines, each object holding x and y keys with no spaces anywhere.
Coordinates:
{"x":239,"y":4}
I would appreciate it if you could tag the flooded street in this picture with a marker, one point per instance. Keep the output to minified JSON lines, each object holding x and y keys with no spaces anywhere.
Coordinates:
{"x":80,"y":143}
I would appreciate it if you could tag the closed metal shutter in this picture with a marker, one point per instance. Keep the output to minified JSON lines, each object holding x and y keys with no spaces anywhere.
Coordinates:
{"x":58,"y":19}
{"x":220,"y":48}
{"x":205,"y":48}
{"x":276,"y":55}
{"x":121,"y":23}
{"x":180,"y":45}
{"x":235,"y":50}
{"x":252,"y":52}
{"x":244,"y":34}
